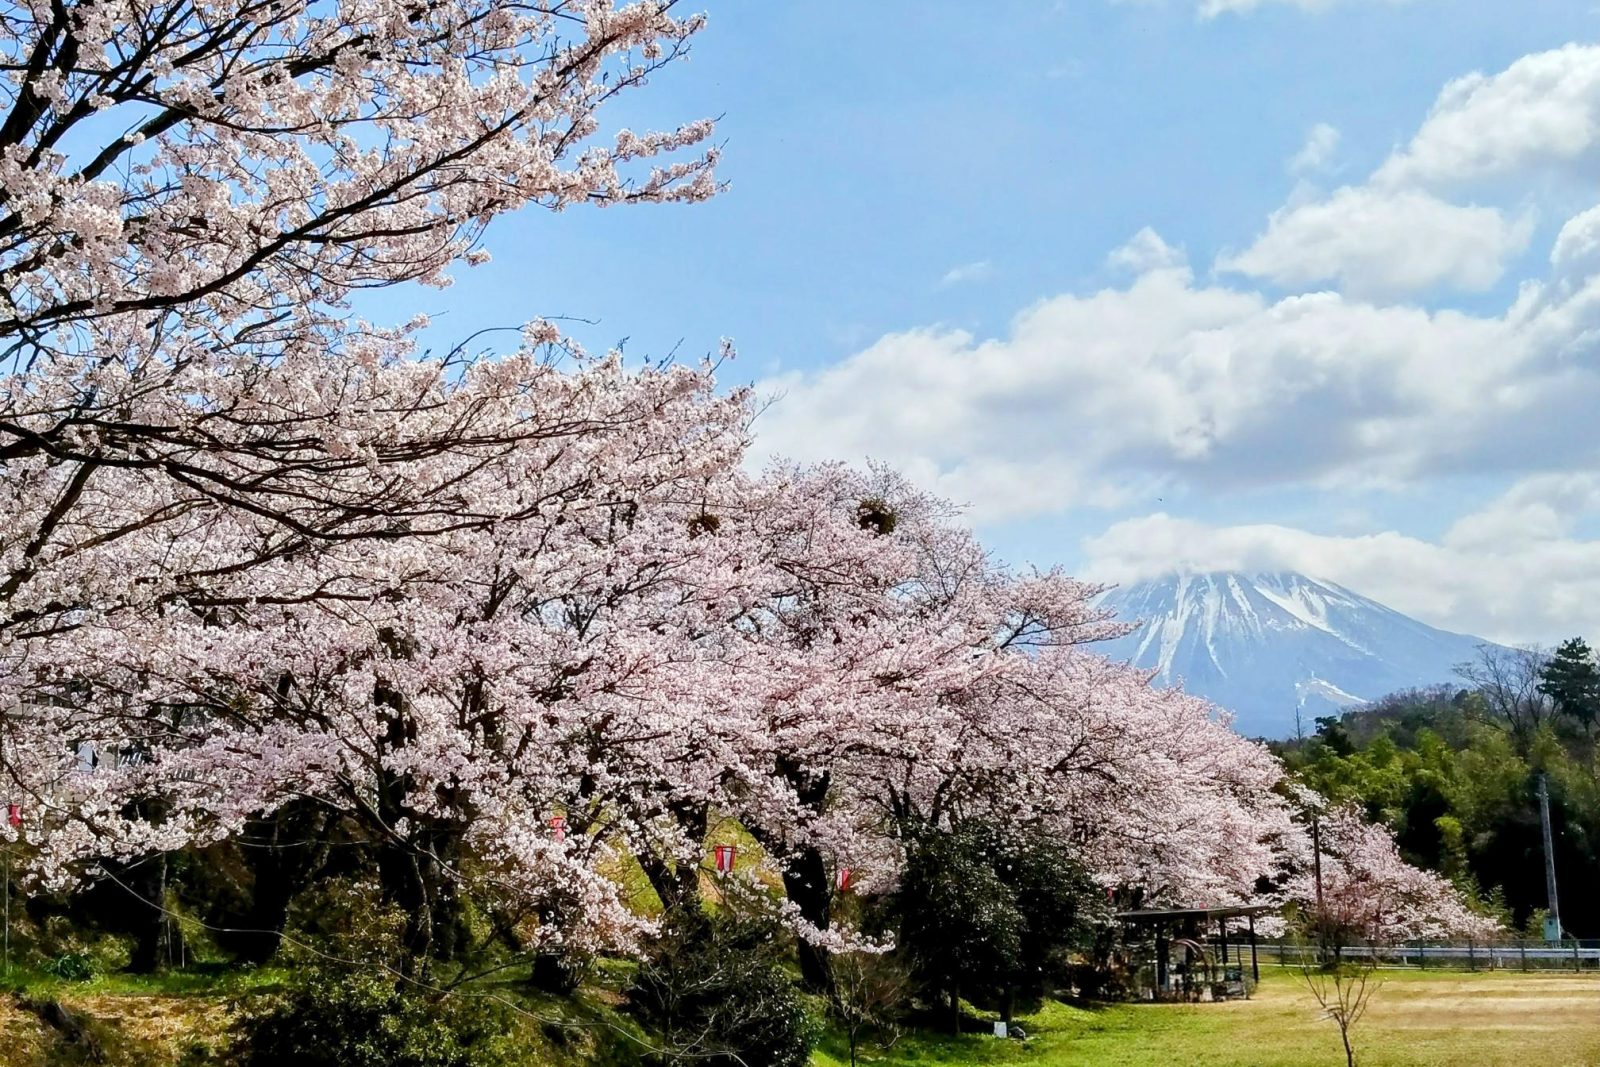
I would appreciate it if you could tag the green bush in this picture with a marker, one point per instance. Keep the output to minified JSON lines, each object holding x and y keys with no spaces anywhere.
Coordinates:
{"x":718,"y":987}
{"x":71,"y":967}
{"x":347,"y":1006}
{"x":363,"y":1017}
{"x":992,"y":915}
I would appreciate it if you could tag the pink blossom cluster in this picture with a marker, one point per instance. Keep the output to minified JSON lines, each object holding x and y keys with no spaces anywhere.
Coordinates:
{"x":238,"y":165}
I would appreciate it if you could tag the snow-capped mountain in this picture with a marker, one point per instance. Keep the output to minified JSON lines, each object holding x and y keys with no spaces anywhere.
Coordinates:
{"x":1263,"y":645}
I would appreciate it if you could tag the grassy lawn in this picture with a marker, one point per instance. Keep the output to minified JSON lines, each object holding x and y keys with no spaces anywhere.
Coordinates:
{"x":1428,"y":1019}
{"x":1425,"y":1019}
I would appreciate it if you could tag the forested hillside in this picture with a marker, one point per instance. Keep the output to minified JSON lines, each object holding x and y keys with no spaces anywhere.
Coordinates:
{"x":1454,"y":771}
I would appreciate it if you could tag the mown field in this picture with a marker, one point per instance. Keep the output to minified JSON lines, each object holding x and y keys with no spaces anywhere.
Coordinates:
{"x":1430,"y":1019}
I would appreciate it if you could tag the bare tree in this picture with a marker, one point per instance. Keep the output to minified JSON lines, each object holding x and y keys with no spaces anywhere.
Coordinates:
{"x":868,"y":990}
{"x":1343,"y":991}
{"x":1506,"y":687}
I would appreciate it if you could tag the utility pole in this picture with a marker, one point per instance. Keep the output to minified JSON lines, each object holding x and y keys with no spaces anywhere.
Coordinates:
{"x":1552,"y":922}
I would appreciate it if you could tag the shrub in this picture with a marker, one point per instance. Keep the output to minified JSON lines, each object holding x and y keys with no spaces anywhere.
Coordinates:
{"x":719,"y":986}
{"x":359,"y":1017}
{"x":991,"y":914}
{"x":358,"y":1012}
{"x":71,"y":967}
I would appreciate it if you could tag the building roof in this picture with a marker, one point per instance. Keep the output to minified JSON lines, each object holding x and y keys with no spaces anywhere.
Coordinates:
{"x":1160,"y":915}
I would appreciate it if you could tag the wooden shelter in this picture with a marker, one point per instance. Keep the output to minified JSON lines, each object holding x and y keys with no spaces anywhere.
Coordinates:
{"x":1189,"y":929}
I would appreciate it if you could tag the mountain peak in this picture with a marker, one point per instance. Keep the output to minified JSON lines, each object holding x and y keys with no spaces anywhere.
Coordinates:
{"x":1266,"y":645}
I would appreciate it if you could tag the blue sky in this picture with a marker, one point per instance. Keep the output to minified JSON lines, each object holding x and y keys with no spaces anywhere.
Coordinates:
{"x":1147,"y":284}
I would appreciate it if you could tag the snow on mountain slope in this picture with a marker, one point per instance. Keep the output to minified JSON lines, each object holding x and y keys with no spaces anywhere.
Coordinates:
{"x":1265,"y":645}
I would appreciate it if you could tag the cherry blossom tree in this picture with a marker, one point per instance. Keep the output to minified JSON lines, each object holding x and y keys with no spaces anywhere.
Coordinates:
{"x":1355,"y":887}
{"x":194,"y":433}
{"x":256,"y":553}
{"x":912,"y":680}
{"x":885,"y":610}
{"x":247,"y":165}
{"x":647,"y":637}
{"x":1351,"y":883}
{"x":188,"y":198}
{"x":439,"y":691}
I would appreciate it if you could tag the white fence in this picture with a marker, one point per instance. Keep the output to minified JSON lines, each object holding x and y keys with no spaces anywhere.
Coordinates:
{"x":1568,"y":955}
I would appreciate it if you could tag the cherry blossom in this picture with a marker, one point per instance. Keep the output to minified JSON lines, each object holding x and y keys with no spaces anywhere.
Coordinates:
{"x":257,"y":553}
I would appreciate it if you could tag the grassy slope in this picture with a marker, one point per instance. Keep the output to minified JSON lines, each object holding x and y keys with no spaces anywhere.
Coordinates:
{"x":184,"y":1018}
{"x":1416,"y":1020}
{"x":135,"y":1021}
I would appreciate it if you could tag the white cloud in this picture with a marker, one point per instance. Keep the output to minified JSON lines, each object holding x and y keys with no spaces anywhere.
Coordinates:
{"x":1543,"y":109}
{"x":1375,"y":242}
{"x":1164,"y":384}
{"x":967,"y":272}
{"x":1395,"y":234}
{"x":1541,"y":509}
{"x":1166,"y":381}
{"x":1512,"y":572}
{"x":1146,"y":251}
{"x":1322,"y":141}
{"x":1577,"y":247}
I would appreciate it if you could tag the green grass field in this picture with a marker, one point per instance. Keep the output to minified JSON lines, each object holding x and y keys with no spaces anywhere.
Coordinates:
{"x":1428,"y":1019}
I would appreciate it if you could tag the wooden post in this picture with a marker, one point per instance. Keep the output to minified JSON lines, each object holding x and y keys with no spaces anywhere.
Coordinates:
{"x":1222,"y":931}
{"x":1161,"y":959}
{"x":1255,"y":968}
{"x":1522,"y":949}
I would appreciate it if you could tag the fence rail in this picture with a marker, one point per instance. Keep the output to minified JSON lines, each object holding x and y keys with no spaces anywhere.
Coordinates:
{"x":1572,"y":955}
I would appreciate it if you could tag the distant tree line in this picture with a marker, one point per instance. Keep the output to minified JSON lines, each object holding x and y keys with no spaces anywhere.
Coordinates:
{"x":1453,"y":770}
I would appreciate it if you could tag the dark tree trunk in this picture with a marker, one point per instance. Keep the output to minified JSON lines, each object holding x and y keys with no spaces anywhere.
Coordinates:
{"x":285,"y":853}
{"x":157,"y":940}
{"x":805,"y":881}
{"x":411,"y":871}
{"x":452,"y":938}
{"x":405,"y":884}
{"x":418,"y":876}
{"x":678,"y":885}
{"x":555,"y":974}
{"x":268,"y":913}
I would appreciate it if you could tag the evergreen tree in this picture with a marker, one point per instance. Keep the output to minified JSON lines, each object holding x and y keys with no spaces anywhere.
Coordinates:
{"x":991,"y":914}
{"x":1572,"y":681}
